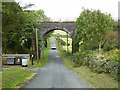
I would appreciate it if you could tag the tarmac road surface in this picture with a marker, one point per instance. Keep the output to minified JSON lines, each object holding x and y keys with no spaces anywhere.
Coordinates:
{"x":55,"y":74}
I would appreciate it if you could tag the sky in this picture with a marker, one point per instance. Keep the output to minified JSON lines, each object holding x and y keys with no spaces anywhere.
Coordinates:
{"x":70,"y":9}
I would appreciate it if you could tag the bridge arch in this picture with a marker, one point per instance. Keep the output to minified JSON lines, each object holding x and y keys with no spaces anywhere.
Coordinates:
{"x":57,"y":29}
{"x":46,"y":27}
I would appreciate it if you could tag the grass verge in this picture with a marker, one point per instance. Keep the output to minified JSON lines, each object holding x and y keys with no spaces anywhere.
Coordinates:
{"x":0,"y":80}
{"x":13,"y":77}
{"x":40,"y":62}
{"x":93,"y":79}
{"x":43,"y":61}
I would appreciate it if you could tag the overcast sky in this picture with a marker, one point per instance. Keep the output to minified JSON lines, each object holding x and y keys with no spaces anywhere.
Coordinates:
{"x":71,"y":9}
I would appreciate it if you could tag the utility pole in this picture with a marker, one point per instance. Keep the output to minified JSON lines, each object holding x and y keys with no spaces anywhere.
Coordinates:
{"x":67,"y":41}
{"x":37,"y":44}
{"x":33,"y":46}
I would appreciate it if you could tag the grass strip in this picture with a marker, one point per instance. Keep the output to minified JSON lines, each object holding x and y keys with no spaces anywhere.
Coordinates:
{"x":41,"y":62}
{"x":13,"y":77}
{"x":0,"y":80}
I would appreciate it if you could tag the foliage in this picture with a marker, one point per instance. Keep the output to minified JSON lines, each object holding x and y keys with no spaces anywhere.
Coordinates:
{"x":46,"y":37}
{"x":10,"y":21}
{"x":95,"y":63}
{"x":60,"y":41}
{"x":93,"y":25}
{"x":93,"y":79}
{"x":19,"y":27}
{"x":92,"y":45}
{"x":112,"y":55}
{"x":96,"y":31}
{"x":80,"y":57}
{"x":110,"y":41}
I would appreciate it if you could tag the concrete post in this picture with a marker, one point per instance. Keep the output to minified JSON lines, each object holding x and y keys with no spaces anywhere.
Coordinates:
{"x":37,"y":44}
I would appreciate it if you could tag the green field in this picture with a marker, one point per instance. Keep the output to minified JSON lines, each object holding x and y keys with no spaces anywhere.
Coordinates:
{"x":65,"y":40}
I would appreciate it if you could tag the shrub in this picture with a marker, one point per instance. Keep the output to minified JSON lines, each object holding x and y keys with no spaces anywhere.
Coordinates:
{"x":96,"y":64}
{"x":111,"y":40}
{"x":80,"y":58}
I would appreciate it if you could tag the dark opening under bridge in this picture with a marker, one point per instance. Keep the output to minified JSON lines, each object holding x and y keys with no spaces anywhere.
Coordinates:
{"x":68,"y":26}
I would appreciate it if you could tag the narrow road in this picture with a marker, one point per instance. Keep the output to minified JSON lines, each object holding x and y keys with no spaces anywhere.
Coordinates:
{"x":55,"y":74}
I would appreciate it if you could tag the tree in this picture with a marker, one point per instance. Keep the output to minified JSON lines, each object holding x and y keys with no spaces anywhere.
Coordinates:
{"x":18,"y":27}
{"x":111,"y":40}
{"x":10,"y":21}
{"x":92,"y":25}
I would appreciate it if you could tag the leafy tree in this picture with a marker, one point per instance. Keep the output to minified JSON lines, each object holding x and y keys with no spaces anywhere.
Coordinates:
{"x":111,"y":40}
{"x":94,"y":25}
{"x":10,"y":21}
{"x":19,"y":27}
{"x":33,"y":19}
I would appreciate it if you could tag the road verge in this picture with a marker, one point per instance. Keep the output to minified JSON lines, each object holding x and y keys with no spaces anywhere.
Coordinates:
{"x":93,"y":79}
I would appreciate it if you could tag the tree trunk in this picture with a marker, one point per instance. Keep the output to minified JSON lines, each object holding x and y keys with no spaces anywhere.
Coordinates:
{"x":99,"y":50}
{"x":75,"y":46}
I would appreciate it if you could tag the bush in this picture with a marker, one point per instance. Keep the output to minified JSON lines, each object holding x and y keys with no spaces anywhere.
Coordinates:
{"x":112,"y":55}
{"x":76,"y":59}
{"x":111,"y":41}
{"x":96,"y":64}
{"x":79,"y":58}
